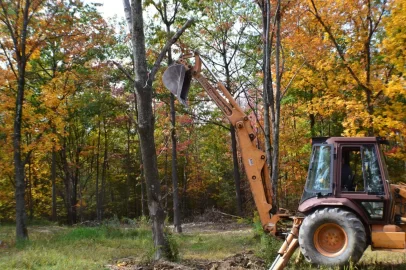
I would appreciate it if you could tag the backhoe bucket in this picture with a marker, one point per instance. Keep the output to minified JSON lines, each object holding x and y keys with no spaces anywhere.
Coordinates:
{"x":177,"y":79}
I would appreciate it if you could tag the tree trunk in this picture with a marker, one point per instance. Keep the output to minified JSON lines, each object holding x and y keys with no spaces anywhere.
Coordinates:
{"x":143,"y":88}
{"x":153,"y":187}
{"x":143,"y":212}
{"x":29,"y":186}
{"x":128,"y":168}
{"x":276,"y":111}
{"x":268,"y":91}
{"x":53,"y":180}
{"x":97,"y":174}
{"x":166,"y":177}
{"x":237,"y":178}
{"x":176,"y":206}
{"x":75,"y":179}
{"x":21,"y":57}
{"x":68,"y":185}
{"x":104,"y":172}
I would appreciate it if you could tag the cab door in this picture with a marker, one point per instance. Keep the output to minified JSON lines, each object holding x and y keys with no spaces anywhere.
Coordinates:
{"x":361,"y":179}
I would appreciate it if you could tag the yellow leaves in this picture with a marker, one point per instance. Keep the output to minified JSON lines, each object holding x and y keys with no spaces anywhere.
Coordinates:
{"x":395,"y":88}
{"x":81,"y":203}
{"x":326,"y":37}
{"x":326,"y":105}
{"x":395,"y":43}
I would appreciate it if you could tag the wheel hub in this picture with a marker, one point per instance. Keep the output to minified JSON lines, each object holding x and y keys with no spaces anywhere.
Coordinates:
{"x":330,"y":239}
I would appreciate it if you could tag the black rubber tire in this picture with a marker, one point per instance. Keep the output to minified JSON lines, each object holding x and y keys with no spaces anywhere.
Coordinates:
{"x":349,"y":223}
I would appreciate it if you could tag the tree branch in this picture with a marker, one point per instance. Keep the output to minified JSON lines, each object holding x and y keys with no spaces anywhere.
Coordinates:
{"x":166,"y":48}
{"x":128,"y":15}
{"x":120,"y":67}
{"x":291,"y":80}
{"x":340,"y":52}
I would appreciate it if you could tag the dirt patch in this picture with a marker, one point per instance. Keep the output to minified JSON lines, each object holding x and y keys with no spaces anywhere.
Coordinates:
{"x":214,"y":227}
{"x":211,"y":222}
{"x":239,"y":261}
{"x":47,"y":229}
{"x":214,"y":221}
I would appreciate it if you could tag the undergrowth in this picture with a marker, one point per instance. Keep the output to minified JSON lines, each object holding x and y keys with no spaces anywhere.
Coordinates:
{"x":268,"y":246}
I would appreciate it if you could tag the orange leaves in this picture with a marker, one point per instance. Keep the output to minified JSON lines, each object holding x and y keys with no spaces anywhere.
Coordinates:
{"x":224,"y":26}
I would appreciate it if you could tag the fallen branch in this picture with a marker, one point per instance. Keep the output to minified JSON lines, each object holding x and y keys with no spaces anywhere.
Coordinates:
{"x":224,"y":214}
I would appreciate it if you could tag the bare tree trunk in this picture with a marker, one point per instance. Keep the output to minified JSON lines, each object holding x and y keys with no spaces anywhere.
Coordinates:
{"x":176,"y":206}
{"x":236,"y":172}
{"x":67,"y":179}
{"x":128,"y":168}
{"x":76,"y":179}
{"x":184,"y":193}
{"x":53,"y":180}
{"x":143,"y":212}
{"x":143,"y":89}
{"x":268,"y":90}
{"x":276,"y":111}
{"x":104,"y":172}
{"x":21,"y":226}
{"x":163,"y":11}
{"x":148,"y":151}
{"x":97,"y":174}
{"x":28,"y":185}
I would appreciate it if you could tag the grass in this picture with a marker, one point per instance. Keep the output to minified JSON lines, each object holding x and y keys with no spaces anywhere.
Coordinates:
{"x":214,"y":246}
{"x":73,"y":248}
{"x":56,"y":247}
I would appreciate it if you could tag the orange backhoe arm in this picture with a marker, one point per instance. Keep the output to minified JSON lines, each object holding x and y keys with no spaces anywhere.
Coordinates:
{"x":254,"y":159}
{"x":177,"y":79}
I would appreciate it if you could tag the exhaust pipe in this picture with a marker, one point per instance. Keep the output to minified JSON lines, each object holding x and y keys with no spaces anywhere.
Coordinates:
{"x":177,"y":79}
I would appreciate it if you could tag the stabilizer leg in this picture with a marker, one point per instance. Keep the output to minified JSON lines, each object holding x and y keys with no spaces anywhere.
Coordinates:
{"x":288,"y":247}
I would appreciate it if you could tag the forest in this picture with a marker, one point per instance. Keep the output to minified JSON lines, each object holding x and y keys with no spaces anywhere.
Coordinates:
{"x":88,"y":131}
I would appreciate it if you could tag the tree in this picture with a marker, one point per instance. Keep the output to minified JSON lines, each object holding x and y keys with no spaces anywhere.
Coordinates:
{"x":272,"y":95}
{"x":143,"y":89}
{"x":164,"y":8}
{"x":63,"y":69}
{"x":20,"y":22}
{"x":355,"y":54}
{"x":221,"y":36}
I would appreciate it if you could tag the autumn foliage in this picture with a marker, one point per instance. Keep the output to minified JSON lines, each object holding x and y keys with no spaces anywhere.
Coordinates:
{"x":342,"y":75}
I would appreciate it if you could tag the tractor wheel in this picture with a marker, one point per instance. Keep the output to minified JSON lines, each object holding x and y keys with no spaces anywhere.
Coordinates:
{"x":332,"y":236}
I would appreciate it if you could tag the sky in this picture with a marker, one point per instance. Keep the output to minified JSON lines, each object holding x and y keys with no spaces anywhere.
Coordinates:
{"x":109,"y":8}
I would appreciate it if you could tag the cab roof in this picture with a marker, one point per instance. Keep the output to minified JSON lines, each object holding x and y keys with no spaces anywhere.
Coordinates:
{"x":334,"y":140}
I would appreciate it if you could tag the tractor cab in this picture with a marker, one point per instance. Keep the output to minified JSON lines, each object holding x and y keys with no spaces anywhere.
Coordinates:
{"x":348,"y":172}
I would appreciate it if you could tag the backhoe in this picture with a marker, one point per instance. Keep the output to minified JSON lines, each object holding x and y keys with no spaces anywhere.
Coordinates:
{"x":347,"y":202}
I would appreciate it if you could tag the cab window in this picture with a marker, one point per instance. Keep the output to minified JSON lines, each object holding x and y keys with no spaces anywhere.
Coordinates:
{"x":352,"y":178}
{"x":360,"y":170}
{"x":372,"y":173}
{"x":320,"y":170}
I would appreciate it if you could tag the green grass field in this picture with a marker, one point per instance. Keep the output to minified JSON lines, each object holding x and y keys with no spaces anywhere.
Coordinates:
{"x":56,"y":247}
